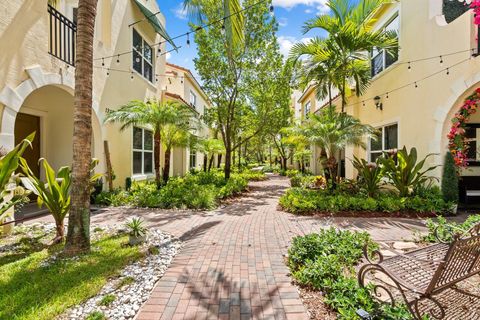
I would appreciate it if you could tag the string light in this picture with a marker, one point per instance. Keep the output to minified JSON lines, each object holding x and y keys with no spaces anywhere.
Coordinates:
{"x":448,"y":71}
{"x":131,"y":76}
{"x":387,"y":95}
{"x":416,"y":86}
{"x":441,"y":60}
{"x":118,"y":59}
{"x":363,"y":103}
{"x":103,"y":62}
{"x":188,"y":39}
{"x":409,"y":66}
{"x":108,"y":72}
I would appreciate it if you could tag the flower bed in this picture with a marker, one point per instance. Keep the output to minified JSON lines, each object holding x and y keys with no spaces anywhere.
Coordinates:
{"x":194,"y":191}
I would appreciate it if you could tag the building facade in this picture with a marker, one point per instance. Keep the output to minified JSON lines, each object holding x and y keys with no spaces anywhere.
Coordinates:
{"x":37,"y":80}
{"x":414,"y":94}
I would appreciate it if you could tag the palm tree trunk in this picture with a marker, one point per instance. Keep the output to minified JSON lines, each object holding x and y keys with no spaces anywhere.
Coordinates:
{"x":210,"y":163}
{"x":166,"y":165}
{"x":156,"y":156}
{"x":78,"y":236}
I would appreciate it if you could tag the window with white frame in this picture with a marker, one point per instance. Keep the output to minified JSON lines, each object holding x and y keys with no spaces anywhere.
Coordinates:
{"x":193,"y":99}
{"x":472,"y":135}
{"x":381,"y":59}
{"x":306,"y":109}
{"x":142,"y":55}
{"x":142,"y":151}
{"x":387,"y":140}
{"x":193,"y":159}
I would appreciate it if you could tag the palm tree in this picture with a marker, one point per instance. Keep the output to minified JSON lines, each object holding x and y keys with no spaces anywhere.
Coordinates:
{"x":234,"y":26}
{"x":210,"y":147}
{"x":176,"y":134}
{"x":78,"y":236}
{"x":342,"y":58}
{"x":332,"y":131}
{"x":152,"y":113}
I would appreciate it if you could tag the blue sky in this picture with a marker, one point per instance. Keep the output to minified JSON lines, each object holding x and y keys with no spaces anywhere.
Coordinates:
{"x":291,"y":14}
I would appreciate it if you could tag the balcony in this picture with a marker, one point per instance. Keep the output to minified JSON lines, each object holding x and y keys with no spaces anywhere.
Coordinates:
{"x":62,"y":40}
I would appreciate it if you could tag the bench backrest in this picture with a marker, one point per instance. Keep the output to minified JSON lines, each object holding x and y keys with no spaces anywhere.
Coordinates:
{"x":462,"y":261}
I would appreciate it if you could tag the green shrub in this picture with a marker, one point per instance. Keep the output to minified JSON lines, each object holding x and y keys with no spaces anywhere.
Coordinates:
{"x":369,"y":175}
{"x":325,"y":262}
{"x":450,"y":179}
{"x":96,"y":315}
{"x":107,"y":300}
{"x":292,"y":173}
{"x":296,"y":181}
{"x":304,"y":201}
{"x":446,"y":230}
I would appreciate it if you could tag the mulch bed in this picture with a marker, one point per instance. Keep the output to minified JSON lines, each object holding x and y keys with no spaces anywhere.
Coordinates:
{"x":313,"y":301}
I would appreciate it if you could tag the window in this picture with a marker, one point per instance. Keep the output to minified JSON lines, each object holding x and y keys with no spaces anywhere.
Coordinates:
{"x":193,"y":99}
{"x":387,"y":141}
{"x":142,"y":151}
{"x":381,"y":59}
{"x":306,"y":109}
{"x":472,"y":134}
{"x":142,"y":56}
{"x":193,"y":159}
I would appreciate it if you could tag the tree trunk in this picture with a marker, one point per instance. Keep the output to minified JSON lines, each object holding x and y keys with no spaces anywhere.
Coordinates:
{"x":156,"y":156}
{"x":205,"y":160}
{"x":78,"y":236}
{"x":219,"y":160}
{"x":108,"y":162}
{"x":211,"y":163}
{"x":228,"y":162}
{"x":166,"y":166}
{"x":284,"y":163}
{"x":332,"y":169}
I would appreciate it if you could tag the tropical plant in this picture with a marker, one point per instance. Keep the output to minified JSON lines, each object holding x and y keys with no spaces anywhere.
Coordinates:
{"x":343,"y":57}
{"x":153,"y":113}
{"x":78,"y":236}
{"x":405,"y":173}
{"x":55,"y":192}
{"x":136,"y":227}
{"x":332,"y":131}
{"x":177,"y":133}
{"x":8,"y":165}
{"x":210,"y":147}
{"x":450,"y":179}
{"x":369,"y":174}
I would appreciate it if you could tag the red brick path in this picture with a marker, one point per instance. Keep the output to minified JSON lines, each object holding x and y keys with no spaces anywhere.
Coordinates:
{"x":231,"y":266}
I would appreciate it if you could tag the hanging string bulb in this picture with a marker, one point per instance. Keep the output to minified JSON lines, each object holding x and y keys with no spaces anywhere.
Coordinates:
{"x":156,"y":79}
{"x":159,"y":51}
{"x":416,"y":86}
{"x":363,"y":102}
{"x":448,"y":71}
{"x":409,"y":66}
{"x":188,"y":39}
{"x":108,"y":72}
{"x":181,"y":80}
{"x":118,"y":59}
{"x":387,"y":95}
{"x":103,"y":62}
{"x":131,"y":76}
{"x":441,"y":60}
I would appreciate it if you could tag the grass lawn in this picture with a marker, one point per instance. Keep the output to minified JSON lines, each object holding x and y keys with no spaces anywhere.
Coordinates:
{"x":29,"y":290}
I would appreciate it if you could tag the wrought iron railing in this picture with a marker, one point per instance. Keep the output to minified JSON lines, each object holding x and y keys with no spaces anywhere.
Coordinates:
{"x":62,"y":39}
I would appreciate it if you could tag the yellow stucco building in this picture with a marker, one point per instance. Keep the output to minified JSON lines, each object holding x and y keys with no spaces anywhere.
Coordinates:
{"x":37,"y":54}
{"x":412,"y":98}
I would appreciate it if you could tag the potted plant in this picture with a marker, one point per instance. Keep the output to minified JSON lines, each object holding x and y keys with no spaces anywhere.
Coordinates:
{"x":137,"y":233}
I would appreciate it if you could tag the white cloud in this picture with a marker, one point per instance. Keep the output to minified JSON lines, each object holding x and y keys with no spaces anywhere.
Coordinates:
{"x":320,"y":5}
{"x":168,"y":55}
{"x":180,"y":12}
{"x":308,"y":11}
{"x":286,"y":43}
{"x":282,"y":22}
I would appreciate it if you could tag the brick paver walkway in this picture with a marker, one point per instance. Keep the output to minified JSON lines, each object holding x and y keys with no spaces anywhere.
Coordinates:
{"x":232,"y":264}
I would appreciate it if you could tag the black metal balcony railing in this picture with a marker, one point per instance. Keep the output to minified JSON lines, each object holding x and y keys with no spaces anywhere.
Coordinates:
{"x":62,"y":39}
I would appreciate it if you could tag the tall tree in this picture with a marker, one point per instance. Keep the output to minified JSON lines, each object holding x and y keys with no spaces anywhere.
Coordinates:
{"x":231,"y":70}
{"x":152,"y":113}
{"x":78,"y":236}
{"x":343,"y":57}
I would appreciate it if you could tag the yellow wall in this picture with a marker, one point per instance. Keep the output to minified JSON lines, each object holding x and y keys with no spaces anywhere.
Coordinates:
{"x":28,"y":74}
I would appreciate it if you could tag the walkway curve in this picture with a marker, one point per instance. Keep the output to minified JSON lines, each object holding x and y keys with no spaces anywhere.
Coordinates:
{"x":232,"y":264}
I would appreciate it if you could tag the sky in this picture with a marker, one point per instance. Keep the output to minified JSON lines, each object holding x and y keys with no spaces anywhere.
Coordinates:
{"x":290,"y":14}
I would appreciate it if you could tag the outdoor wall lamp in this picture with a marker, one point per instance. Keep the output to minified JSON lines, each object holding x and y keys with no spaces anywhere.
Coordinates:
{"x":378,"y":102}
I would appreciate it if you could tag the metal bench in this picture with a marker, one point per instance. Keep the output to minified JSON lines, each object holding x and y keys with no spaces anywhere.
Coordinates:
{"x":428,"y":279}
